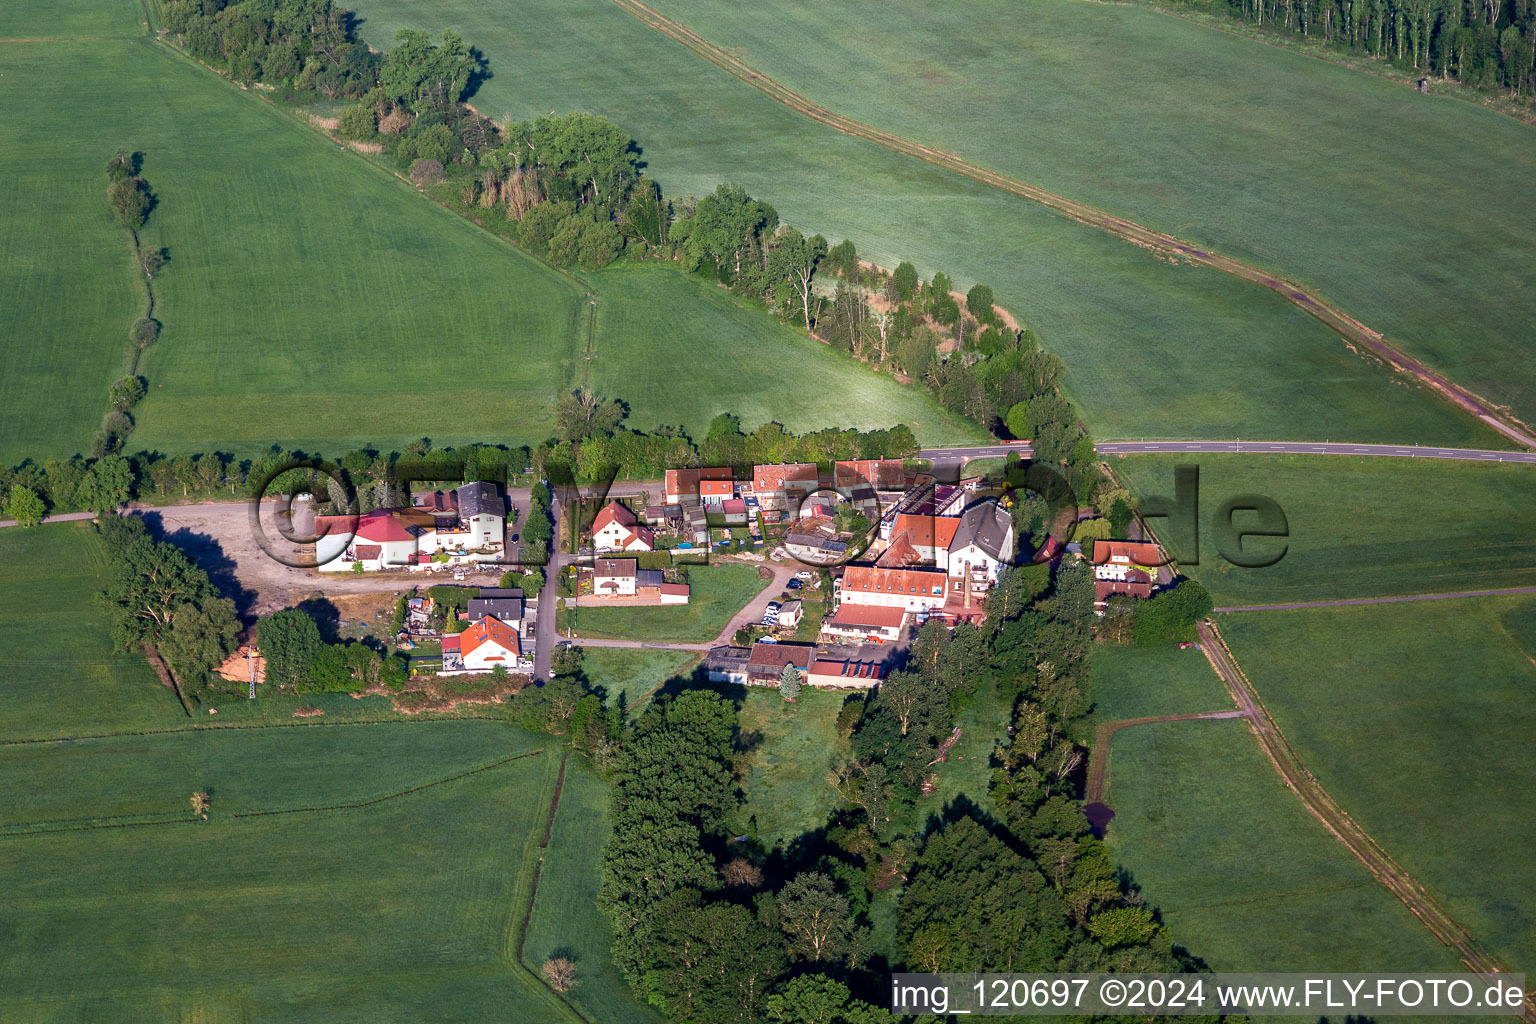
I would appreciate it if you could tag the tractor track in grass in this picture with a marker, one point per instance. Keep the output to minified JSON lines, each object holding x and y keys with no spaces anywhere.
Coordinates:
{"x":1337,"y":821}
{"x":1098,"y":764}
{"x":1354,"y":333}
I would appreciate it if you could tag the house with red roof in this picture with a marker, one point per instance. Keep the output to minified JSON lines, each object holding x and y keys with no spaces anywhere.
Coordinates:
{"x":485,"y":645}
{"x":682,"y":485}
{"x":865,"y":622}
{"x":1129,"y":567}
{"x":911,"y":590}
{"x":881,"y":474}
{"x":782,"y":485}
{"x":859,"y":675}
{"x":462,"y":526}
{"x":617,"y":529}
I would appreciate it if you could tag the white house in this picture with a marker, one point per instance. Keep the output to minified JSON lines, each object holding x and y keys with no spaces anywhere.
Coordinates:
{"x":911,"y":590}
{"x":614,"y":577}
{"x":485,"y":645}
{"x":616,"y":529}
{"x":465,"y":525}
{"x":984,"y":541}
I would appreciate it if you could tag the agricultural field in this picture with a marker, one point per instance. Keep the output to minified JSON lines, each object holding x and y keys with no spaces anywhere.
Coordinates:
{"x":257,"y":916}
{"x":717,"y":593}
{"x":309,"y":287}
{"x":1152,"y":349}
{"x":1396,"y":205}
{"x":49,"y":578}
{"x":1418,"y":718}
{"x":1243,"y":876}
{"x":1360,"y":527}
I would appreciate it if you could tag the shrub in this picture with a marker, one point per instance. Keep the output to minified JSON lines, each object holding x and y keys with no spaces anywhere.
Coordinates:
{"x":358,"y":122}
{"x":427,"y":172}
{"x":394,"y":122}
{"x":145,"y":331}
{"x":118,"y":424}
{"x":125,"y":393}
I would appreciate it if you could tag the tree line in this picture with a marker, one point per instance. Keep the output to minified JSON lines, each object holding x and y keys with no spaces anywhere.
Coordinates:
{"x":583,"y":454}
{"x":1485,"y":44}
{"x":131,"y":200}
{"x":713,"y":926}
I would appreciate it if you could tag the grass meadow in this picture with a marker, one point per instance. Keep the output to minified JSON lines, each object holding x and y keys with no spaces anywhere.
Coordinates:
{"x":717,"y":592}
{"x":313,"y":299}
{"x":1140,"y":682}
{"x":1244,"y":877}
{"x":1360,"y":527}
{"x":628,"y":675}
{"x":1152,"y":349}
{"x":1397,"y":205}
{"x":1418,"y":719}
{"x":566,"y":920}
{"x":791,"y":747}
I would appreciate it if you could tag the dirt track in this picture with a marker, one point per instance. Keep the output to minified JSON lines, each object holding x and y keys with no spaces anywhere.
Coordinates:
{"x":1337,"y":821}
{"x":1351,"y":330}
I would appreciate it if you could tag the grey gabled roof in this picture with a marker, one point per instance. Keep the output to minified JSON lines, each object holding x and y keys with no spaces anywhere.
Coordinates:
{"x":649,"y":578}
{"x":989,"y":527}
{"x":480,"y":498}
{"x":503,"y":608}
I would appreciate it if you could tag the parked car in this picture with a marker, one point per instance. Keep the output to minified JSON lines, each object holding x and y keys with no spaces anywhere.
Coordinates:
{"x":794,"y":584}
{"x":774,"y":606}
{"x":805,"y":574}
{"x":767,"y":640}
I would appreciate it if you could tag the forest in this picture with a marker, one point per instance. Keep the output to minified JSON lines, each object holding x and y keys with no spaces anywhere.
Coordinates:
{"x":1484,"y":44}
{"x":712,"y":927}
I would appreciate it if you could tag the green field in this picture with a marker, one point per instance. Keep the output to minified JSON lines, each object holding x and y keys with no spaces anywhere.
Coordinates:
{"x":1140,"y":682}
{"x":1152,"y":348}
{"x":792,"y":746}
{"x":716,"y":593}
{"x":1395,"y":204}
{"x":315,"y":300}
{"x":257,"y":918}
{"x":1244,"y":877}
{"x":1361,"y":527}
{"x":1418,"y":719}
{"x":627,"y":675}
{"x":59,"y":675}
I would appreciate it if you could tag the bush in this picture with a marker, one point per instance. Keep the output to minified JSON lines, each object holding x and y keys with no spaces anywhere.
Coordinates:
{"x":125,"y":393}
{"x":118,"y":424}
{"x":427,"y":172}
{"x":358,"y":122}
{"x":145,"y":331}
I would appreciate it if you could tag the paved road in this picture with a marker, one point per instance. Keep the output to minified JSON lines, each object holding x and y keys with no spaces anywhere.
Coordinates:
{"x":1401,"y":451}
{"x":1336,"y":820}
{"x":1373,"y":600}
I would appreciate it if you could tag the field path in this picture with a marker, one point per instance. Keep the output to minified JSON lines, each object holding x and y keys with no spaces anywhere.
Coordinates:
{"x":1355,"y":334}
{"x":1337,"y":821}
{"x":1098,"y":766}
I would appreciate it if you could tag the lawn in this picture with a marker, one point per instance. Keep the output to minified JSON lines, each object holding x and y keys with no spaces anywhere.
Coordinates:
{"x":261,"y":918}
{"x":1139,"y":682}
{"x":1418,"y":718}
{"x":1395,"y":204}
{"x":792,"y":747}
{"x":628,"y":675}
{"x":716,"y":593}
{"x":566,"y":921}
{"x":315,"y":300}
{"x":59,"y":674}
{"x":1244,"y":877}
{"x":1152,"y":348}
{"x":1361,"y":527}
